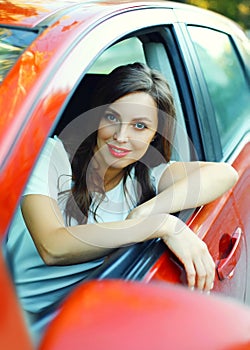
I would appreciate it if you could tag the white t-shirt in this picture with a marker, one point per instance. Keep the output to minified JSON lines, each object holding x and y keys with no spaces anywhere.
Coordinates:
{"x":39,"y":286}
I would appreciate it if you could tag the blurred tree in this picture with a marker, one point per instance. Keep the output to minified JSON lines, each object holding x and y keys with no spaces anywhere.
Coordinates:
{"x":237,"y":10}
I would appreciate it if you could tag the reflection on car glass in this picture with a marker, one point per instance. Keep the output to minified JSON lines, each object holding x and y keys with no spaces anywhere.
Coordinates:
{"x":12,"y":44}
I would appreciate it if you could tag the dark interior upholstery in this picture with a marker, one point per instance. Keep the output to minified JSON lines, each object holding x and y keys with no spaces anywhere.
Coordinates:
{"x":80,"y":101}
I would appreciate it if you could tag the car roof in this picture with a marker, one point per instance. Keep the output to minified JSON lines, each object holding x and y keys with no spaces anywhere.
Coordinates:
{"x":38,"y":14}
{"x":24,"y":13}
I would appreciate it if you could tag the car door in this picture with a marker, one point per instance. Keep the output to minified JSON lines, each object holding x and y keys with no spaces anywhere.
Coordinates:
{"x":219,"y":223}
{"x":224,"y":224}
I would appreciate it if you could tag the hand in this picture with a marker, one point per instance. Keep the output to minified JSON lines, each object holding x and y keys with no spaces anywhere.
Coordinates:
{"x":189,"y":249}
{"x":194,"y":254}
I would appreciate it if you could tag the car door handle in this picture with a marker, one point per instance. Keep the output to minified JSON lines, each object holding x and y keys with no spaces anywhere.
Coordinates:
{"x":226,"y":267}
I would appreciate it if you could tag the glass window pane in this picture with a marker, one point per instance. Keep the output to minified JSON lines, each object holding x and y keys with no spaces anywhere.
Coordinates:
{"x":12,"y":44}
{"x":225,"y":79}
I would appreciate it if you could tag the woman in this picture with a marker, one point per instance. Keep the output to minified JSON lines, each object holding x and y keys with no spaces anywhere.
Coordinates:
{"x":124,"y":190}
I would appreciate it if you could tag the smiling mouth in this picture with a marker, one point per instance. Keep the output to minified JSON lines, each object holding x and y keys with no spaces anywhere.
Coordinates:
{"x":118,"y":152}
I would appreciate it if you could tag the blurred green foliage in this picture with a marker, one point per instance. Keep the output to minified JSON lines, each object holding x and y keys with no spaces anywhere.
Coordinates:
{"x":237,"y":10}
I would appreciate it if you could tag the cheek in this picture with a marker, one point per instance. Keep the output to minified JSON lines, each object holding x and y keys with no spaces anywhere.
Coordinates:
{"x":141,"y":145}
{"x":105,"y":132}
{"x":144,"y":139}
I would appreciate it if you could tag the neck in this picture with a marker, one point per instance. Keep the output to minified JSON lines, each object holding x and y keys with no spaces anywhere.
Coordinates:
{"x":112,"y":177}
{"x":104,"y":178}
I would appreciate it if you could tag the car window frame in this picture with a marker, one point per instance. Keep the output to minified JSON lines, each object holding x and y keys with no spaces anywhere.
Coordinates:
{"x":50,"y":81}
{"x":134,"y":262}
{"x":159,"y":37}
{"x":205,"y":116}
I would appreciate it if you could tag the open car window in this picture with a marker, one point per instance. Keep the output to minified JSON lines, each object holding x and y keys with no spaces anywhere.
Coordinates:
{"x":138,"y":48}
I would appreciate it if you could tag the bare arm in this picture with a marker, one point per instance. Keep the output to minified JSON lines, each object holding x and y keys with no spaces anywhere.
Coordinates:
{"x":189,"y":185}
{"x":183,"y":186}
{"x":60,"y":245}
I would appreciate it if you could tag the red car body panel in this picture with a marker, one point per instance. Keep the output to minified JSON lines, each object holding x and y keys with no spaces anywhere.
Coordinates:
{"x":29,"y":106}
{"x":13,"y":331}
{"x":152,"y":316}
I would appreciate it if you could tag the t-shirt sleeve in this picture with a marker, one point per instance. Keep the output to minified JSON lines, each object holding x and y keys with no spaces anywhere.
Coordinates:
{"x":52,"y":173}
{"x":156,"y":174}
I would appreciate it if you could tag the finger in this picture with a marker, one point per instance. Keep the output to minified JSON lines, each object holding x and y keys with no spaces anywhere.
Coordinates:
{"x":209,"y":284}
{"x":190,"y":273}
{"x":201,"y":274}
{"x":205,"y":268}
{"x":209,"y":266}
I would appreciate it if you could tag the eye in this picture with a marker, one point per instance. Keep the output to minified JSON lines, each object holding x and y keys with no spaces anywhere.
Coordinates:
{"x":140,"y":126}
{"x":111,"y":118}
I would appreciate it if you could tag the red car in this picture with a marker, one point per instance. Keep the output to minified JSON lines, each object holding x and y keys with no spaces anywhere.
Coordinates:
{"x":52,"y":53}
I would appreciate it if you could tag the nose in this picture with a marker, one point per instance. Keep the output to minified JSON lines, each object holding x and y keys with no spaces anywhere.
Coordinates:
{"x":121,"y":133}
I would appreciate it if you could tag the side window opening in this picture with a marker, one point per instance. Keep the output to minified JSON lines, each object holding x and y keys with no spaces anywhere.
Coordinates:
{"x":126,"y":51}
{"x":123,"y":52}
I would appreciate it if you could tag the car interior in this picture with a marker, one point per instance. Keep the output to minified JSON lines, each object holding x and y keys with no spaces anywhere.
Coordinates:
{"x":130,"y":262}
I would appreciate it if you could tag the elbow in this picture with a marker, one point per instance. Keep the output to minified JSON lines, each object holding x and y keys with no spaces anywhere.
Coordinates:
{"x":229,"y":175}
{"x":50,"y":257}
{"x":221,"y":177}
{"x":50,"y":260}
{"x":225,"y":177}
{"x":53,"y":253}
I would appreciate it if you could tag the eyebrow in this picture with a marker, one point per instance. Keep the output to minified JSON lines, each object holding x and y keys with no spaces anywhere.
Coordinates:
{"x":109,"y":109}
{"x":142,"y":118}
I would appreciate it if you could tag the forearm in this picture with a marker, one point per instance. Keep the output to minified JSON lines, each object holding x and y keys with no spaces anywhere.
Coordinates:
{"x":61,"y":245}
{"x":77,"y":244}
{"x":201,"y":185}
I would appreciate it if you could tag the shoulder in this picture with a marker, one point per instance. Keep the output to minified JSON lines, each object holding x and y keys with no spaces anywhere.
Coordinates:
{"x":54,"y":145}
{"x":52,"y":171}
{"x":55,"y":153}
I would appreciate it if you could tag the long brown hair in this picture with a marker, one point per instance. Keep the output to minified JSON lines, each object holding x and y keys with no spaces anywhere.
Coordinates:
{"x":121,"y":81}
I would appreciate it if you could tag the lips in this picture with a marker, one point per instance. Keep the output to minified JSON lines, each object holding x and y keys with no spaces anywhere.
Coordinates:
{"x":118,"y":152}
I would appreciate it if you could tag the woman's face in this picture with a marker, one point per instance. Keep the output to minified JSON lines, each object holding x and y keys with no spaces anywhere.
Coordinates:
{"x":126,"y":130}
